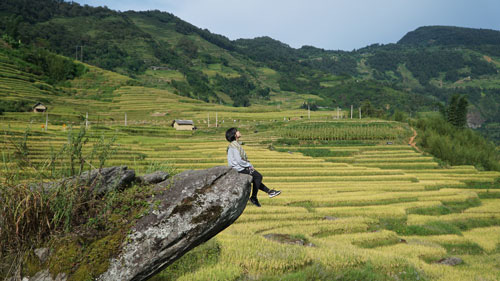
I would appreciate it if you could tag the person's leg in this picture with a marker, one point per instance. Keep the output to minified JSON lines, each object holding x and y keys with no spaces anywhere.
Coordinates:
{"x":246,"y":171}
{"x":257,"y":184}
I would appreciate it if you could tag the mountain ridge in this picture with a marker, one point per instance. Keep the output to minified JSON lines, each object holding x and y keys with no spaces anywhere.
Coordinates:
{"x":410,"y":75}
{"x":450,"y":35}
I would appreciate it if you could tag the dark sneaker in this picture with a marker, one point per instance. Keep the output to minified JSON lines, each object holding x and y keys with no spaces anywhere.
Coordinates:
{"x":255,"y":201}
{"x":273,"y":193}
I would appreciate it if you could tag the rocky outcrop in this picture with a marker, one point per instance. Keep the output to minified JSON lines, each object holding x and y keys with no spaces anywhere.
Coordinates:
{"x":186,"y":211}
{"x":100,"y":180}
{"x":153,"y":178}
{"x":197,"y":206}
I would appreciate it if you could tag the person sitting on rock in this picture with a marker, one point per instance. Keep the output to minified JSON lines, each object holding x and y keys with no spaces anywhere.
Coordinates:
{"x":237,"y":159}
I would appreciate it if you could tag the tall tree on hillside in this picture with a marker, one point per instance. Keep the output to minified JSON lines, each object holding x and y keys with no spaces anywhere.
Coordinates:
{"x":463,"y":103}
{"x":456,"y":112}
{"x":367,"y":108}
{"x":451,"y":110}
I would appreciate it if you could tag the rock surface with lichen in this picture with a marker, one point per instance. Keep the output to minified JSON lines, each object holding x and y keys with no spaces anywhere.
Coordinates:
{"x":100,"y":180}
{"x":187,"y":210}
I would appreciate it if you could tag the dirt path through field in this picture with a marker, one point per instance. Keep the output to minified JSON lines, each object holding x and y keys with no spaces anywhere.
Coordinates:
{"x":412,"y":142}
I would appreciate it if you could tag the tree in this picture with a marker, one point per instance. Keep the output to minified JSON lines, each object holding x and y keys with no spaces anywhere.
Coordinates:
{"x":309,"y":105}
{"x":239,"y":101}
{"x":367,"y":108}
{"x":264,"y":92}
{"x":12,"y":26}
{"x":399,"y":116}
{"x":188,"y":47}
{"x":451,"y":110}
{"x":461,"y":114}
{"x":456,"y":112}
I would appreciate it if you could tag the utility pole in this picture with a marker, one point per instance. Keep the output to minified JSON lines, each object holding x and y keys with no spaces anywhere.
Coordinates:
{"x":338,"y":112}
{"x":216,"y":120}
{"x":87,"y":120}
{"x":208,"y":118}
{"x":351,"y":111}
{"x":360,"y":113}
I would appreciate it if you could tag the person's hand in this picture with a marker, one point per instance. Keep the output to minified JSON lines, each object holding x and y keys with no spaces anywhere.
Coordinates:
{"x":251,"y":169}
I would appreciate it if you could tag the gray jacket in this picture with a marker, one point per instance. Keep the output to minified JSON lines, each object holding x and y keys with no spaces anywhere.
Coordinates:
{"x":234,"y":160}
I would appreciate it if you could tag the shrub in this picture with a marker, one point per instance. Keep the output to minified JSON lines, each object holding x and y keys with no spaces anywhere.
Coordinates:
{"x":15,"y":106}
{"x":457,"y":146}
{"x":287,"y":141}
{"x":31,"y":215}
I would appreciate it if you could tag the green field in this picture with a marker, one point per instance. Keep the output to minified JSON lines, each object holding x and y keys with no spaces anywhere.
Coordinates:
{"x":372,"y":207}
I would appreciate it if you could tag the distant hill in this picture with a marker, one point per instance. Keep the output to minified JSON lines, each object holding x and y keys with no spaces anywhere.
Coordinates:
{"x":450,"y":35}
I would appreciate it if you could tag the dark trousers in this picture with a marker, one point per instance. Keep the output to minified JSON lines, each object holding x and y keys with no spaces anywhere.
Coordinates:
{"x":256,"y":181}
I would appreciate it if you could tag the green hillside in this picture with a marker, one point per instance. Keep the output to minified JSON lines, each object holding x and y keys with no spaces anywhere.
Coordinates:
{"x":159,"y":50}
{"x":31,"y":75}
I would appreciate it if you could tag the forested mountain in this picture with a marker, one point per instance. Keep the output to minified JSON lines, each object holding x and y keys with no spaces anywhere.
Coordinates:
{"x":448,"y":35}
{"x":420,"y":72}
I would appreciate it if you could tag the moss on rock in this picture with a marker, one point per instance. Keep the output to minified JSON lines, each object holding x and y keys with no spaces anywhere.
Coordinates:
{"x":96,"y":257}
{"x":80,"y":261}
{"x":31,"y":264}
{"x":65,"y":256}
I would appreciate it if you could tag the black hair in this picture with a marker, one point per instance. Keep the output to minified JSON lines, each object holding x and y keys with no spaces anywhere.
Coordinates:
{"x":231,"y":134}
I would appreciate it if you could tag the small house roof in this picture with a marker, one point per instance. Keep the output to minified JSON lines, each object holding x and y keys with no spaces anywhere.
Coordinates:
{"x":39,"y":104}
{"x":183,"y":122}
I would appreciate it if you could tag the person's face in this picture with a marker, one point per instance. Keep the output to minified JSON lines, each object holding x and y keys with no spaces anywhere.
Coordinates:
{"x":238,"y":134}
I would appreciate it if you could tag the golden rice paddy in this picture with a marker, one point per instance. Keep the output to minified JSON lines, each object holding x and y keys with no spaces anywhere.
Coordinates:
{"x":345,"y":208}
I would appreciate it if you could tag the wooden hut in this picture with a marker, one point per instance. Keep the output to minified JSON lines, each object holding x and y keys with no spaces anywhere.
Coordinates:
{"x":39,"y":107}
{"x":183,"y":125}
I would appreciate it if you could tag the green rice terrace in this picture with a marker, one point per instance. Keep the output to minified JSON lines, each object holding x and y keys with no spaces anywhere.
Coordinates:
{"x":363,"y":204}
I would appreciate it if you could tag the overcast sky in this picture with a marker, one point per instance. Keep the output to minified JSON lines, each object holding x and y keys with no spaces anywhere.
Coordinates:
{"x":328,"y":24}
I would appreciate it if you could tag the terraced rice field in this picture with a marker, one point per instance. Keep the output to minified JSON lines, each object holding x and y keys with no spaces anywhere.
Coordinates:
{"x":384,"y":207}
{"x":14,"y":83}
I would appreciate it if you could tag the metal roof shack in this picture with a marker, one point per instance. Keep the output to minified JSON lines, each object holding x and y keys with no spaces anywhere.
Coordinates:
{"x":39,"y":107}
{"x":183,"y":125}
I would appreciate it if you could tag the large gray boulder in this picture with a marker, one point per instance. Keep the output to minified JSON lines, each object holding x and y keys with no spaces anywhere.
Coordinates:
{"x":186,"y":211}
{"x":197,"y":206}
